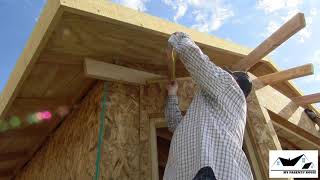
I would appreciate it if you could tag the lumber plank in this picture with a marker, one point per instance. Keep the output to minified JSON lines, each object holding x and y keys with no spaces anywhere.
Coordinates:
{"x":106,"y":71}
{"x":114,"y":13}
{"x":305,"y":135}
{"x":283,"y":106}
{"x":291,"y":27}
{"x":308,"y":99}
{"x":50,"y":16}
{"x":154,"y":150}
{"x":263,"y":137}
{"x":288,"y":74}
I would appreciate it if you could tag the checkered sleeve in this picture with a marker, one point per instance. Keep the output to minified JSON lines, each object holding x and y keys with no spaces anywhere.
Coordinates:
{"x":172,"y":112}
{"x":210,"y":78}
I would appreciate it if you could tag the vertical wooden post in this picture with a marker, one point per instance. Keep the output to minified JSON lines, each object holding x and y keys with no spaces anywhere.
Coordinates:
{"x":261,"y":133}
{"x":144,"y":133}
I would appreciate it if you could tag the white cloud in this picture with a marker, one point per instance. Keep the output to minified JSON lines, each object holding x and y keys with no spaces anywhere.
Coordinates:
{"x":133,"y":4}
{"x":270,"y":6}
{"x":313,"y":12}
{"x":281,"y":11}
{"x":209,"y":15}
{"x":315,"y":60}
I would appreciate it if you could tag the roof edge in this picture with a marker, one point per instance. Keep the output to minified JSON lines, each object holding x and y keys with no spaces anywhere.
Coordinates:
{"x":51,"y":13}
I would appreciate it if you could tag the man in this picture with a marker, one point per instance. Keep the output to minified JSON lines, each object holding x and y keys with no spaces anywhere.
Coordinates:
{"x":207,"y":141}
{"x":313,"y":116}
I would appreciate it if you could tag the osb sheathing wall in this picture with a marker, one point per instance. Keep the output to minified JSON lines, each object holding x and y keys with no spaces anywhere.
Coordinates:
{"x":70,"y":153}
{"x":153,"y":98}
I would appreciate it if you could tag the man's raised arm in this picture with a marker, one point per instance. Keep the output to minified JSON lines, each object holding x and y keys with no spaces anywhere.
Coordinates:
{"x":172,"y":111}
{"x":210,"y":78}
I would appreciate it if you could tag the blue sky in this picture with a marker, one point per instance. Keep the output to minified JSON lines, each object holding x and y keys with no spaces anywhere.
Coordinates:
{"x":246,"y":22}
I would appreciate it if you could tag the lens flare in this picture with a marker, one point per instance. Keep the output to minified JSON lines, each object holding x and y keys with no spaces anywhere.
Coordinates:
{"x":38,"y":116}
{"x":14,"y":122}
{"x":46,"y":115}
{"x":32,"y":119}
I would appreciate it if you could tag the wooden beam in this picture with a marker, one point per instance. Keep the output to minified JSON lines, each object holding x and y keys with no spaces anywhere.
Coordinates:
{"x":305,"y":100}
{"x":279,"y":104}
{"x":154,"y":151}
{"x":264,"y":137}
{"x":288,"y":74}
{"x":296,"y":130}
{"x":276,"y":39}
{"x":106,"y":71}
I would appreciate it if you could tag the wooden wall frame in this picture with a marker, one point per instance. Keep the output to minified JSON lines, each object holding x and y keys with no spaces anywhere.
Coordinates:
{"x":159,"y":122}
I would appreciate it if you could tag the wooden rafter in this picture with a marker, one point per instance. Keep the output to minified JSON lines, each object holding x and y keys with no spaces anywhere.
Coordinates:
{"x":288,"y":74}
{"x":106,"y":71}
{"x":296,"y":130}
{"x":308,"y":99}
{"x":293,"y":116}
{"x":276,"y":39}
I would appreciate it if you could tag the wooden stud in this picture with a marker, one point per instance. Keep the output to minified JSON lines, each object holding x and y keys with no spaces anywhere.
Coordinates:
{"x":263,"y":136}
{"x":276,"y":39}
{"x":305,"y":100}
{"x":288,"y":74}
{"x":154,"y":151}
{"x":106,"y":71}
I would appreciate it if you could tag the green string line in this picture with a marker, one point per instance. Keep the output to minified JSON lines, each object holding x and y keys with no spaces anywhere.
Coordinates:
{"x":101,"y":129}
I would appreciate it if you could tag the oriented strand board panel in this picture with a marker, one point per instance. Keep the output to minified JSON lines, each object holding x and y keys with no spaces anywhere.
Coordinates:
{"x":50,"y":67}
{"x":71,"y":152}
{"x":153,"y":99}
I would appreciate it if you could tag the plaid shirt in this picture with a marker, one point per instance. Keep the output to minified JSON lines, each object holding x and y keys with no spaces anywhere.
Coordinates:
{"x":211,"y":132}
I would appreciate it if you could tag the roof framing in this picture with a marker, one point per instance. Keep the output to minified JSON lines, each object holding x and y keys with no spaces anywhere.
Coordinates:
{"x":105,"y":11}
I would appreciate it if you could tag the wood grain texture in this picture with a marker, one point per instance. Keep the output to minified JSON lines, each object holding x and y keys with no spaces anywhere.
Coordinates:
{"x":308,"y":99}
{"x":40,"y":35}
{"x":77,"y":140}
{"x":291,"y":27}
{"x":279,"y":104}
{"x":51,"y":66}
{"x":106,"y":71}
{"x":263,"y":136}
{"x":288,"y":74}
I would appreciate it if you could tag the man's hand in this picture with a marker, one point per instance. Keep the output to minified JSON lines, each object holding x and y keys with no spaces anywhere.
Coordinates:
{"x":172,"y":88}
